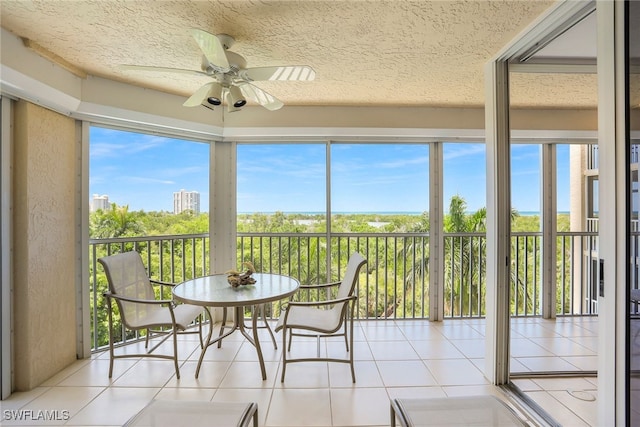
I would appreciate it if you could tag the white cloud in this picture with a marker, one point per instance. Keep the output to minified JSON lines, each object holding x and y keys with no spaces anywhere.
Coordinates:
{"x":147,"y":180}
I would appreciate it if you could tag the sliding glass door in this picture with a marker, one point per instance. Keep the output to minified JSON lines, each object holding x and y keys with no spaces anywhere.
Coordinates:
{"x":633,"y":209}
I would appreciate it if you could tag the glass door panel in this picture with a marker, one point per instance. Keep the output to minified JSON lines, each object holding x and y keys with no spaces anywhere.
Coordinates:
{"x":633,"y":336}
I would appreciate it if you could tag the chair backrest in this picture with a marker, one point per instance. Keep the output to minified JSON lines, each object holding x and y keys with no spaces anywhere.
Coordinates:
{"x":127,"y":277}
{"x":350,"y":278}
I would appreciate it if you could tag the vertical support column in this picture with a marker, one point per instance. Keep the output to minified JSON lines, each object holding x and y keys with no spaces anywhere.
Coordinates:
{"x":549,"y":225}
{"x":83,"y":306}
{"x":222,"y":207}
{"x":578,"y":222}
{"x":6,"y":247}
{"x":498,"y":221}
{"x":436,"y":235}
{"x":328,"y":207}
{"x":612,"y":224}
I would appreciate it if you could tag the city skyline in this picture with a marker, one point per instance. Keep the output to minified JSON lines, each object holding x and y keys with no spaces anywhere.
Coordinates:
{"x":144,"y":171}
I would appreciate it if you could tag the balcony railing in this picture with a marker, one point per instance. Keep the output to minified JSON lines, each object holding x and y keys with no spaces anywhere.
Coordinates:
{"x":396,"y":282}
{"x":167,"y":258}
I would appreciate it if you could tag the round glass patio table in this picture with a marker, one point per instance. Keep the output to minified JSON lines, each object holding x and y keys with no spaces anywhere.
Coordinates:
{"x":215,"y":291}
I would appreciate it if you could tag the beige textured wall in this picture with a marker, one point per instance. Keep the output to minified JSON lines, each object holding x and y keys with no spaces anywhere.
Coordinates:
{"x":44,"y":258}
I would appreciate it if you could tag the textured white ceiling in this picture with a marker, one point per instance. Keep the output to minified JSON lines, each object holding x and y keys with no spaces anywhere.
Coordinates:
{"x":405,"y":53}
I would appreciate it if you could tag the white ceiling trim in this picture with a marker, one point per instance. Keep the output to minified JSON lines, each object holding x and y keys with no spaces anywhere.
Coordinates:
{"x":16,"y":84}
{"x":19,"y":85}
{"x":409,"y":135}
{"x":114,"y":116}
{"x":354,"y":134}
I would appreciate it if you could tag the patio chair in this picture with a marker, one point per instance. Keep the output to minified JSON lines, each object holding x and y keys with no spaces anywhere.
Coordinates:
{"x":133,"y":292}
{"x":321,"y":319}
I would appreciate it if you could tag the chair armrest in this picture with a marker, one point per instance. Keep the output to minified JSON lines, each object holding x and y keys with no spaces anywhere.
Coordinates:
{"x":311,"y":304}
{"x":161,"y":283}
{"x":139,"y":301}
{"x":322,"y":286}
{"x":321,"y":303}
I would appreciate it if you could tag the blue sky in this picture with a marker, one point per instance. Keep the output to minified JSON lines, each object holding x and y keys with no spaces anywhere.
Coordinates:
{"x":143,"y":171}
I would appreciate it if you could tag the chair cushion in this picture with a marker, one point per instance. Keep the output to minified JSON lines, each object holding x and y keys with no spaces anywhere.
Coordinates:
{"x":149,"y":316}
{"x":185,"y":314}
{"x":312,"y":318}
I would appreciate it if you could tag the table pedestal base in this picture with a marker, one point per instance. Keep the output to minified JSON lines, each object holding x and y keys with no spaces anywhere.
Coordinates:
{"x":238,"y":324}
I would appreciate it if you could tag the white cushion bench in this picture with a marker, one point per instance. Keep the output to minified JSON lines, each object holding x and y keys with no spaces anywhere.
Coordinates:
{"x":454,"y":411}
{"x":180,"y":413}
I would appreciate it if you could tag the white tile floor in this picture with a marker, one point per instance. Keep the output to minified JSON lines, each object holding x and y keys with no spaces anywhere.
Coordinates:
{"x":393,"y":359}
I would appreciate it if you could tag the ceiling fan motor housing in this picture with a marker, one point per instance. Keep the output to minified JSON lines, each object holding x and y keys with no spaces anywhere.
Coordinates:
{"x":236,"y":62}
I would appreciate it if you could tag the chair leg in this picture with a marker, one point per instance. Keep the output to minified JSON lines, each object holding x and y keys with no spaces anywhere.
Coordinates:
{"x":111,"y":352}
{"x":111,"y":364}
{"x":393,"y":417}
{"x":284,"y":353}
{"x":346,"y":342}
{"x":290,"y":338}
{"x":175,"y":352}
{"x":353,"y":371}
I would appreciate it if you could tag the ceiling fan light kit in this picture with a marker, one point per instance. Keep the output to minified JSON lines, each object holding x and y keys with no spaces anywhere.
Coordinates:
{"x":236,"y":98}
{"x":232,"y":81}
{"x":214,"y":95}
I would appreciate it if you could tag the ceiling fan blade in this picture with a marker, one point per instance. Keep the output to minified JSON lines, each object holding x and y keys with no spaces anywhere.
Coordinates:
{"x":286,"y":73}
{"x":212,"y":48}
{"x":162,"y":69}
{"x":198,"y":96}
{"x":261,"y":97}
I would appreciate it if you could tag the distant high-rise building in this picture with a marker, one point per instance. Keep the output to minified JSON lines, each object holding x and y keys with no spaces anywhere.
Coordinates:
{"x":186,"y":201}
{"x":100,"y":202}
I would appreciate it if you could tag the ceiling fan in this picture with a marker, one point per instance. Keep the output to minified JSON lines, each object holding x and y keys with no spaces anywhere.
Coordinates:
{"x":231,"y":79}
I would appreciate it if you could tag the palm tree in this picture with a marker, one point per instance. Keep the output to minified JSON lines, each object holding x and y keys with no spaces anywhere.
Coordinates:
{"x":464,"y":261}
{"x":464,"y":268}
{"x":115,"y":222}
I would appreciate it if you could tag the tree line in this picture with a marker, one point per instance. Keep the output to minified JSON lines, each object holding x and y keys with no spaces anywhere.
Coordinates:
{"x":394,"y":285}
{"x":119,"y":221}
